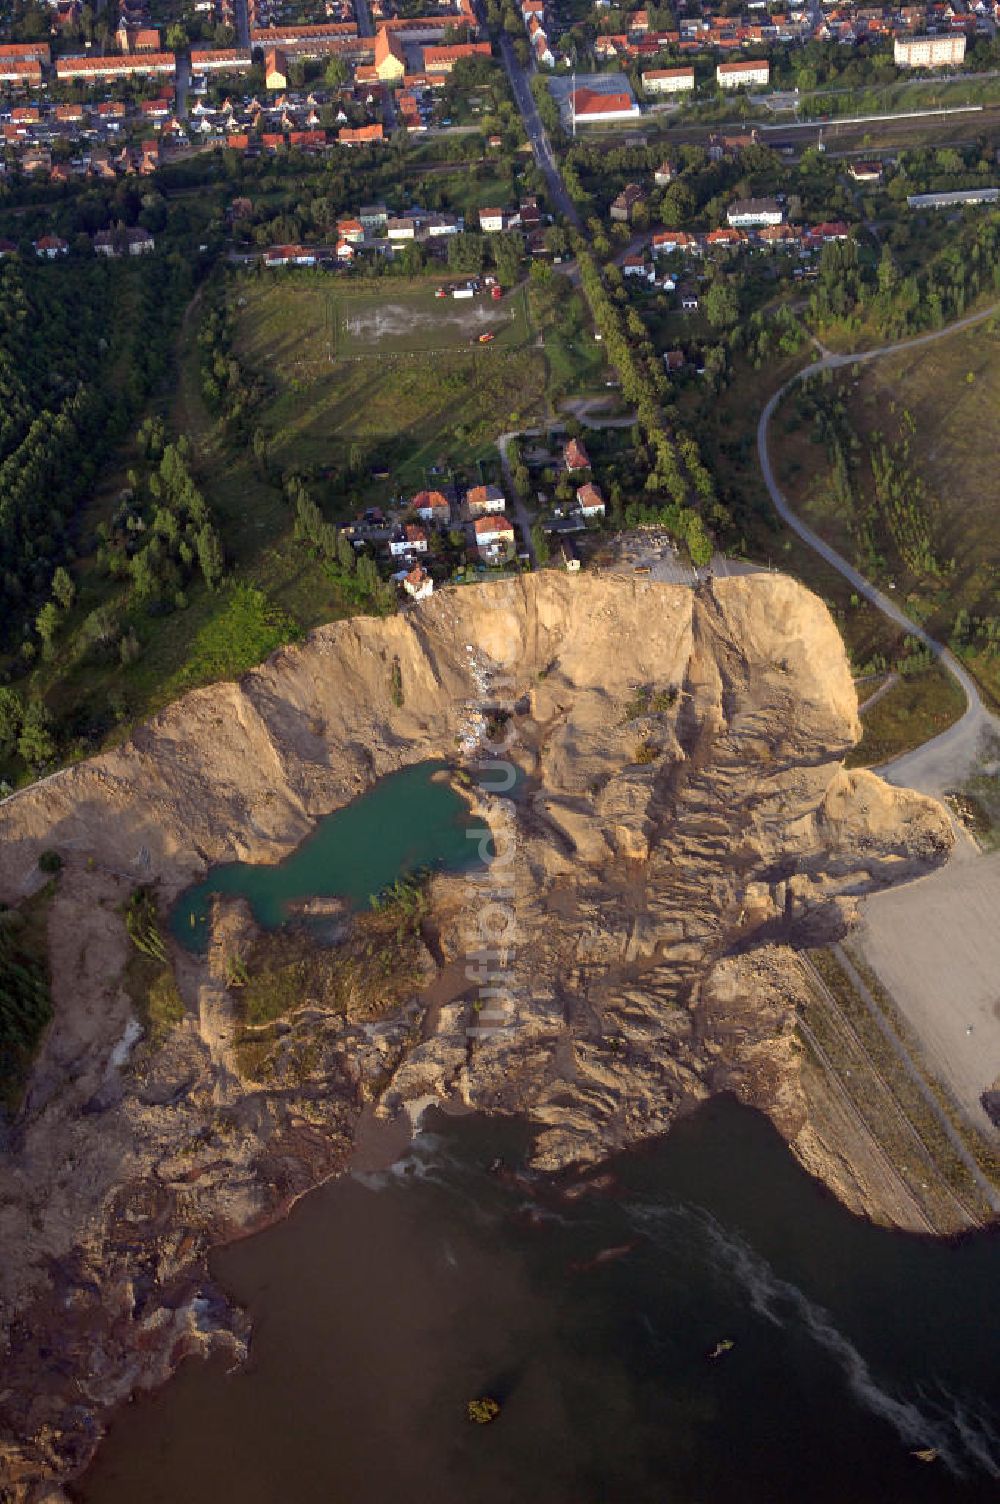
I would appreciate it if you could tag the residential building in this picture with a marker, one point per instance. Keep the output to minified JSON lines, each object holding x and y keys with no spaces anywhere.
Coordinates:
{"x":625,"y":205}
{"x":49,"y":247}
{"x":664,"y":174}
{"x":635,"y":266}
{"x":590,"y":501}
{"x":945,"y":51}
{"x":222,"y":60}
{"x":668,"y":81}
{"x":132,"y":240}
{"x":743,"y":75}
{"x":96,"y":68}
{"x":494,"y":538}
{"x":492,"y":221}
{"x":748,"y":213}
{"x":410,"y":538}
{"x":575,"y":456}
{"x":418,"y":583}
{"x":362,"y":135}
{"x":866,"y":172}
{"x":665,"y":242}
{"x":442,"y":59}
{"x":289,"y":255}
{"x":481,"y":500}
{"x":432,"y":506}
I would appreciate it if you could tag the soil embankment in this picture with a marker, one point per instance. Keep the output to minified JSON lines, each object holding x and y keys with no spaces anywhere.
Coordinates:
{"x":683,"y":824}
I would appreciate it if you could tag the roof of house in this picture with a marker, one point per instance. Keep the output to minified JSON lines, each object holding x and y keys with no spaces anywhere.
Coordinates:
{"x":576,"y":456}
{"x":494,"y":524}
{"x":590,"y":496}
{"x":348,"y":133}
{"x":388,"y":45}
{"x":480,"y":495}
{"x":744,"y":66}
{"x":591,"y":102}
{"x":669,"y":73}
{"x":436,"y":56}
{"x":432,"y":499}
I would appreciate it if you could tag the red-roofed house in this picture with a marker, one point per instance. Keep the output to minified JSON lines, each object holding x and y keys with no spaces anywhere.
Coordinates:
{"x":50,"y":246}
{"x":575,"y":457}
{"x":418,"y":583}
{"x":590,"y":501}
{"x":408,"y":539}
{"x":360,"y":135}
{"x":432,"y":506}
{"x":494,"y":538}
{"x":443,"y":59}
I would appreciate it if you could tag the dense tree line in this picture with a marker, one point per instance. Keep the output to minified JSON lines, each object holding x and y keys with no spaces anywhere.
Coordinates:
{"x":677,"y":471}
{"x":25,"y":1006}
{"x":357,"y":573}
{"x":81,"y":346}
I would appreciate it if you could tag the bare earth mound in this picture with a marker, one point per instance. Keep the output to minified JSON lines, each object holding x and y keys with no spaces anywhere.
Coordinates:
{"x":683,"y":823}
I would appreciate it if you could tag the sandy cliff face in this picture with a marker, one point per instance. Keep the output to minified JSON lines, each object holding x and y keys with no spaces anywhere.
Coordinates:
{"x":682,"y":823}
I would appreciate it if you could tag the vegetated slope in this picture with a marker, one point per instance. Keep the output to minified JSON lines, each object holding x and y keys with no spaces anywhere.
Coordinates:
{"x":894,"y":464}
{"x":683,"y":823}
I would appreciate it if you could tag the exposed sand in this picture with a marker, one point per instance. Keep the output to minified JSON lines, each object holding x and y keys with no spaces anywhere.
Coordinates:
{"x":935,"y":944}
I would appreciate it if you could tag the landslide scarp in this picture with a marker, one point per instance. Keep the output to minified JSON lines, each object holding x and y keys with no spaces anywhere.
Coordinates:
{"x":681,"y":824}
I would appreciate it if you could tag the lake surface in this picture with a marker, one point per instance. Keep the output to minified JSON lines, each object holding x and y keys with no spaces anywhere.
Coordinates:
{"x":409,"y":820}
{"x":386,"y":1301}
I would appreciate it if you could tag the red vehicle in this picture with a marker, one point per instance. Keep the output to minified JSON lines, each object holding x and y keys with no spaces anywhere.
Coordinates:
{"x":440,"y":293}
{"x":487,"y":338}
{"x":496,"y":294}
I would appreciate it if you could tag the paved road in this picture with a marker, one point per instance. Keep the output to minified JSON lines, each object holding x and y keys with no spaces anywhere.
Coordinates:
{"x":242,"y":20}
{"x":520,"y":83}
{"x":363,"y":16}
{"x":182,"y":84}
{"x":946,"y":759}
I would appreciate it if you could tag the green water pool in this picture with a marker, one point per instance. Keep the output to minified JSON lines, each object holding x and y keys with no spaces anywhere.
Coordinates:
{"x":407,"y":821}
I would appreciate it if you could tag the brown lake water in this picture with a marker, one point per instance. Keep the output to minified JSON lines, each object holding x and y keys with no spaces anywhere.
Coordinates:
{"x":386,"y":1301}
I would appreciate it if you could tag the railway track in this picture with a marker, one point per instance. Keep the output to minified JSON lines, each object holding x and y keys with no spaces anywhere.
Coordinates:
{"x":891,"y":1103}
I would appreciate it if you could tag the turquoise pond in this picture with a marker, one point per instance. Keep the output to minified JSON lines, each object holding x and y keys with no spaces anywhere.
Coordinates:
{"x":407,"y":821}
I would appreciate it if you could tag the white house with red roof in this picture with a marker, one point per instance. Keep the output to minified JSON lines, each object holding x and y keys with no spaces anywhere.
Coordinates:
{"x":432,"y":506}
{"x":408,"y":539}
{"x":494,"y":538}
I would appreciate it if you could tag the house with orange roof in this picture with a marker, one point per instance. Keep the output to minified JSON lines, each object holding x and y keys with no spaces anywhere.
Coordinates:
{"x":575,"y":456}
{"x":442,"y":59}
{"x":432,"y":506}
{"x":361,"y":135}
{"x":493,"y":538}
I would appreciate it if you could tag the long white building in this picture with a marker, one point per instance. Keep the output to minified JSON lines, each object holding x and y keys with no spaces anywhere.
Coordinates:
{"x":930,"y":52}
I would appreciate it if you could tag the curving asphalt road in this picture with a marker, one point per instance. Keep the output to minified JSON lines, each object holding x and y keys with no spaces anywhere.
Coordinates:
{"x":946,"y":759}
